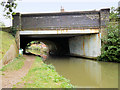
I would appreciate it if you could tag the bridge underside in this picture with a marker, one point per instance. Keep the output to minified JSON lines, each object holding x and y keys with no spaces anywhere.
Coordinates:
{"x":60,"y":45}
{"x":84,"y":43}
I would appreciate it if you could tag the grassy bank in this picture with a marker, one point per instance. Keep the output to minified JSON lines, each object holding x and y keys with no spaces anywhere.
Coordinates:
{"x":6,"y":40}
{"x":42,"y":75}
{"x":16,"y":64}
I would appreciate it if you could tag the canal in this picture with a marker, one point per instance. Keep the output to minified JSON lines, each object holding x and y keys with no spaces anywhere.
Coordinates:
{"x":85,"y":73}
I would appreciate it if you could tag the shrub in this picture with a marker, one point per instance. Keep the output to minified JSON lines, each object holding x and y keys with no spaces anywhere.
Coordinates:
{"x":111,"y":44}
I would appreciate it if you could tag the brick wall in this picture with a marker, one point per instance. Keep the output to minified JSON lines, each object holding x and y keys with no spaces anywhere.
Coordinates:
{"x":62,"y":20}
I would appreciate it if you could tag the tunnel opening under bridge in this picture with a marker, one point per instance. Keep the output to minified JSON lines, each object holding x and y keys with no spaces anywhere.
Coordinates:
{"x":87,"y":45}
{"x":58,"y":46}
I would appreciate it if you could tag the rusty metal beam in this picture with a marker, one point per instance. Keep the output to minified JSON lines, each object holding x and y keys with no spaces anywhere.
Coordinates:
{"x":47,"y":32}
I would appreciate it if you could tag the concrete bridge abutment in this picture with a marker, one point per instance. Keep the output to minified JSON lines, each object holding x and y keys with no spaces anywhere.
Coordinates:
{"x":88,"y":46}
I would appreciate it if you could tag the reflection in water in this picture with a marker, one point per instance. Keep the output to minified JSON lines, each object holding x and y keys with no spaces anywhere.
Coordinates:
{"x":87,"y":73}
{"x":44,"y":55}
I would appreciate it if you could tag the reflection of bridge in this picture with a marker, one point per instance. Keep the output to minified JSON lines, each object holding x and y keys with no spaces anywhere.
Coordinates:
{"x":77,"y":33}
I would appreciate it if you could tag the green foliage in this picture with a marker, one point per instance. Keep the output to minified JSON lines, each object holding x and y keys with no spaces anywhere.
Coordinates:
{"x":9,"y":7}
{"x":113,"y":14}
{"x":16,"y":64}
{"x":42,"y":75}
{"x":51,"y":66}
{"x":111,"y":44}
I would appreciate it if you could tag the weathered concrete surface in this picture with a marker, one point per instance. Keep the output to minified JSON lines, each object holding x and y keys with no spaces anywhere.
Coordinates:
{"x":17,"y":39}
{"x":85,"y":45}
{"x":10,"y":54}
{"x":49,"y":32}
{"x":8,"y":57}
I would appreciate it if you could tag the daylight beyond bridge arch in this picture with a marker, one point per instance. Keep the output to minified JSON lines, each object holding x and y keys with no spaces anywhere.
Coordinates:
{"x":57,"y":45}
{"x":81,"y":30}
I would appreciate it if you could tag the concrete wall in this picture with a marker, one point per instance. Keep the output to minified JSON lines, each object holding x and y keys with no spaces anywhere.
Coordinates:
{"x":85,"y":45}
{"x":17,"y":39}
{"x":10,"y":54}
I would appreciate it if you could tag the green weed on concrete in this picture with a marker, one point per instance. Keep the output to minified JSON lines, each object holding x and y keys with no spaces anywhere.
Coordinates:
{"x":42,"y":75}
{"x":16,"y":64}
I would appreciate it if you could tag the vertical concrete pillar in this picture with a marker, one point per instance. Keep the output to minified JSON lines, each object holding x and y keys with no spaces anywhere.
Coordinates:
{"x":85,"y":45}
{"x":17,"y":21}
{"x":104,"y":19}
{"x":17,"y":25}
{"x":17,"y":39}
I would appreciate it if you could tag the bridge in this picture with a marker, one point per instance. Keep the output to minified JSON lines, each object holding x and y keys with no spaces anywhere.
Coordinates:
{"x":76,"y":33}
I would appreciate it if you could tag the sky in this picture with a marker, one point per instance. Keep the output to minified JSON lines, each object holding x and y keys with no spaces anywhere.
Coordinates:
{"x":41,"y":6}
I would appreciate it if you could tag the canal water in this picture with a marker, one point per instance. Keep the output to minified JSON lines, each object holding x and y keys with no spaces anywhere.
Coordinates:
{"x":85,"y":73}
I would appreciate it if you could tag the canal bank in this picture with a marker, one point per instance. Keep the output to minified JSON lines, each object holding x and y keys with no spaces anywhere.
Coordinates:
{"x":34,"y":73}
{"x":42,"y":75}
{"x":8,"y":49}
{"x":85,"y":73}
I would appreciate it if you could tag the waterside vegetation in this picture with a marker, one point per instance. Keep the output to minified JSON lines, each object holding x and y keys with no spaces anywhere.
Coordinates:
{"x":111,"y":42}
{"x":16,"y":64}
{"x":42,"y":75}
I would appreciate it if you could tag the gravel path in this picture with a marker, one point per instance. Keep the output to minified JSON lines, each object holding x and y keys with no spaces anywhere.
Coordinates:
{"x":11,"y":78}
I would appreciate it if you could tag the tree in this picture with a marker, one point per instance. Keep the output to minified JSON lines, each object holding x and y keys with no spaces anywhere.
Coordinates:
{"x":113,"y":14}
{"x":111,"y":43}
{"x":9,"y":7}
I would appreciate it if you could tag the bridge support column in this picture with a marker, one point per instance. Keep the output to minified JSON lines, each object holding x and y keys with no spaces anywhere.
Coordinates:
{"x":88,"y":46}
{"x":17,"y":25}
{"x":17,"y":39}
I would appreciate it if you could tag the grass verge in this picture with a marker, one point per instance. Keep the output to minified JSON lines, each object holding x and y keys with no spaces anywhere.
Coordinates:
{"x":42,"y":75}
{"x":6,"y":39}
{"x":16,"y":64}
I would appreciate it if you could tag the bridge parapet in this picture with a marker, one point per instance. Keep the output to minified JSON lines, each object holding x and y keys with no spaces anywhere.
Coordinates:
{"x":62,"y":20}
